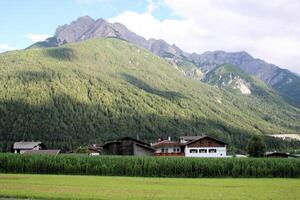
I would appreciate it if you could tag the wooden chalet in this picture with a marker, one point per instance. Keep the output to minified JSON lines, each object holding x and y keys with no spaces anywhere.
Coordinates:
{"x":205,"y":146}
{"x":128,"y":146}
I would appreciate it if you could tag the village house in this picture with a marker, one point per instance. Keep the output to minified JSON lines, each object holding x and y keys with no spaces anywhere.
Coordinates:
{"x":205,"y":146}
{"x":128,"y":146}
{"x":168,"y":148}
{"x":21,"y":147}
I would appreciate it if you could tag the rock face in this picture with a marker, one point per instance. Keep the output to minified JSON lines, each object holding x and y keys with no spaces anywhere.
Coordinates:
{"x":233,"y":78}
{"x":242,"y":85}
{"x":86,"y":28}
{"x":283,"y":81}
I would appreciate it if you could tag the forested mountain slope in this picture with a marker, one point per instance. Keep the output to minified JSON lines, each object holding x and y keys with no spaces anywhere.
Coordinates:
{"x":101,"y":89}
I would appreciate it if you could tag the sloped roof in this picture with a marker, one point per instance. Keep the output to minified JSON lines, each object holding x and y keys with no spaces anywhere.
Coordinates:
{"x":127,"y":138}
{"x":204,"y":137}
{"x":190,"y":138}
{"x":282,"y":154}
{"x":26,"y":145}
{"x":46,"y":152}
{"x":165,"y":143}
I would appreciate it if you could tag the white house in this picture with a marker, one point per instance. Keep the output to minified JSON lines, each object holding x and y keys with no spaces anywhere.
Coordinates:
{"x":205,"y":147}
{"x":21,"y":147}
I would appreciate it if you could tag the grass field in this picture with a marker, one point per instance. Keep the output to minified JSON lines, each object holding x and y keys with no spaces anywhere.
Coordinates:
{"x":97,"y":187}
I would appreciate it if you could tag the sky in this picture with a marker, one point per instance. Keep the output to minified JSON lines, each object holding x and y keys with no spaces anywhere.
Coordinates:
{"x":267,"y":29}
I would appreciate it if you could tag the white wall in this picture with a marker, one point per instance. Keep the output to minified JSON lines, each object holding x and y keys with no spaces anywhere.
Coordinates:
{"x":221,"y":152}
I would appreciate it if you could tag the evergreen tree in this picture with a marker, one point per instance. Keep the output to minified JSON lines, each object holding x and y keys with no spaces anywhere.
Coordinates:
{"x":256,"y":147}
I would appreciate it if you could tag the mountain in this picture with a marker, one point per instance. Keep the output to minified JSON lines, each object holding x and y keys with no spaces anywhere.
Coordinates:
{"x":85,"y":28}
{"x":193,"y":65}
{"x":283,"y":81}
{"x":234,"y":79}
{"x":101,"y":89}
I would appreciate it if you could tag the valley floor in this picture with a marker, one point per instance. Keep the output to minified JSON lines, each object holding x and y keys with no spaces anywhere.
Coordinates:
{"x":100,"y":187}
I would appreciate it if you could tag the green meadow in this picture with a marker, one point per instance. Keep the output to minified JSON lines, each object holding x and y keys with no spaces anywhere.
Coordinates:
{"x":105,"y":187}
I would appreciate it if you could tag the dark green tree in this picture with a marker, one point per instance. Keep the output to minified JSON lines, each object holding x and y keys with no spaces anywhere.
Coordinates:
{"x":256,"y":146}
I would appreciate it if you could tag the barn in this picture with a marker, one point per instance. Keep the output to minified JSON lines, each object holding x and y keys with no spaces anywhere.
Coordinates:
{"x":128,"y":146}
{"x":22,"y":146}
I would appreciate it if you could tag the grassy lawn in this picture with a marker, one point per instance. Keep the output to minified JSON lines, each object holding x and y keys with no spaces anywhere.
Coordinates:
{"x":99,"y":187}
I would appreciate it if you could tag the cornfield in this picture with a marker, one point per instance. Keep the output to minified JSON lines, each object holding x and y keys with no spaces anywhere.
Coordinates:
{"x":149,"y":166}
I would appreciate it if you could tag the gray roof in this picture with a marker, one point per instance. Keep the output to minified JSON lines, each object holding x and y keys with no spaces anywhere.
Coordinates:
{"x":46,"y":152}
{"x":26,"y":145}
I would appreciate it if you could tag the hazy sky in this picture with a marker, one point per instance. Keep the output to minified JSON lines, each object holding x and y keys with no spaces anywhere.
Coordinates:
{"x":267,"y":29}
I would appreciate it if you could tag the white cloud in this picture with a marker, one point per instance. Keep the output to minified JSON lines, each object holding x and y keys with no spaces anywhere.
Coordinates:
{"x":5,"y":47}
{"x":268,"y":29}
{"x":37,"y":37}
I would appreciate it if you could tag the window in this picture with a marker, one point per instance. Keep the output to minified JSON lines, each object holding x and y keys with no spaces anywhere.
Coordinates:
{"x":193,"y":150}
{"x":166,"y":150}
{"x":202,"y":150}
{"x":162,"y":150}
{"x":174,"y":150}
{"x":178,"y":149}
{"x":212,"y":150}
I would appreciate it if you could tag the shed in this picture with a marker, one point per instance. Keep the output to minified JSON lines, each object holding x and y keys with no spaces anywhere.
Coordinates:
{"x":22,"y":146}
{"x":277,"y":155}
{"x":128,"y":146}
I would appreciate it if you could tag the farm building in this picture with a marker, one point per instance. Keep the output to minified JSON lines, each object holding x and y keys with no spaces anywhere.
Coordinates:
{"x":128,"y":146}
{"x":168,"y":148}
{"x":21,"y":147}
{"x":280,"y":155}
{"x":205,"y":146}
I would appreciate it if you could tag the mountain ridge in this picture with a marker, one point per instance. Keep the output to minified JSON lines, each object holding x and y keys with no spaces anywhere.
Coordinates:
{"x":283,"y":81}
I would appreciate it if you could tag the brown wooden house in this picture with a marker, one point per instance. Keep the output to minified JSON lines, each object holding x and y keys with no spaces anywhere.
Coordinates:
{"x":128,"y":146}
